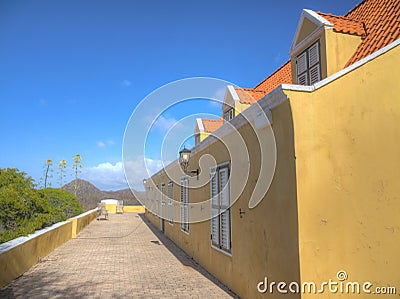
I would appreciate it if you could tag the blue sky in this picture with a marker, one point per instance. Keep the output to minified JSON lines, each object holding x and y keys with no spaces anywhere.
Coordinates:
{"x":72,"y":72}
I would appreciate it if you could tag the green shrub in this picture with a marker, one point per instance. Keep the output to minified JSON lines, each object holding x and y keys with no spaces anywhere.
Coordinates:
{"x":65,"y":205}
{"x":23,"y":209}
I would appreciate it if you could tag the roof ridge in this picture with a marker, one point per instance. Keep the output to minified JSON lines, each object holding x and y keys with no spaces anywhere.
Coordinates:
{"x":355,"y":7}
{"x":211,"y":119}
{"x":340,"y":17}
{"x":248,"y":89}
{"x":277,"y":70}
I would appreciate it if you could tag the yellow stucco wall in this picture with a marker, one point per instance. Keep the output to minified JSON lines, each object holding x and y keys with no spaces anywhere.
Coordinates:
{"x":111,"y":208}
{"x":347,"y":167}
{"x":203,"y":135}
{"x":239,"y":107}
{"x":264,"y":241}
{"x":134,"y":209}
{"x":333,"y":203}
{"x":84,"y":219}
{"x":18,"y":259}
{"x":339,"y":49}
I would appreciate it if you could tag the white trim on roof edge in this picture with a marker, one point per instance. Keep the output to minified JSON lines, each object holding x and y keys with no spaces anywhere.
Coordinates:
{"x":321,"y":23}
{"x":233,"y":92}
{"x":342,"y":72}
{"x":277,"y":97}
{"x":199,"y":122}
{"x":251,"y":114}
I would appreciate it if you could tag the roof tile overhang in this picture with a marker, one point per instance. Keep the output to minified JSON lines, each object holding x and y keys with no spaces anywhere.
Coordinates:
{"x":382,"y":22}
{"x":211,"y":125}
{"x":345,"y":25}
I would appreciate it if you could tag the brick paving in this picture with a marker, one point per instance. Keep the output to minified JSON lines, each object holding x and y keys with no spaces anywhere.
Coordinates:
{"x":123,"y":257}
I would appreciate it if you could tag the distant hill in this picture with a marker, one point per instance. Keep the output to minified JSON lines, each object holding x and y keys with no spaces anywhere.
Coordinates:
{"x":89,"y":195}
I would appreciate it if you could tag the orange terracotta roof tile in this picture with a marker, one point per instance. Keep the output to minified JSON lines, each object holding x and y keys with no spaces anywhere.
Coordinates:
{"x":283,"y":75}
{"x":344,"y":25}
{"x":382,"y":22}
{"x":211,"y":125}
{"x":249,"y":95}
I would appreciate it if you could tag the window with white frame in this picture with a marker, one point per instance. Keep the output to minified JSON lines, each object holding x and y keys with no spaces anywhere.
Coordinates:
{"x":162,"y":201}
{"x":221,"y":223}
{"x":185,"y":203}
{"x":308,"y":65}
{"x":157,"y":194}
{"x":170,"y":203}
{"x":228,"y":115}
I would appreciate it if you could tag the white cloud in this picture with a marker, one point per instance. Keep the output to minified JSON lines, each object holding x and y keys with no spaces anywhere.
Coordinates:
{"x":126,"y":83}
{"x":106,"y":176}
{"x":102,"y":144}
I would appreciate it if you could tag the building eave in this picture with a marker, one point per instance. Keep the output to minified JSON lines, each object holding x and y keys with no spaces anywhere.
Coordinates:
{"x":321,"y":23}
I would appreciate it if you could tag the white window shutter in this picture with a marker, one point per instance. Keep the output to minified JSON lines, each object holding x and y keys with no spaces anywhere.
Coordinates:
{"x":185,"y":203}
{"x":301,"y":63}
{"x":162,"y":200}
{"x":186,"y":215}
{"x":224,"y":188}
{"x":182,"y":189}
{"x":215,"y":226}
{"x":214,"y":189}
{"x":186,"y":190}
{"x":170,"y":202}
{"x":313,"y":55}
{"x":315,"y":74}
{"x":182,"y":216}
{"x":214,"y":207}
{"x":157,"y":192}
{"x":302,"y":79}
{"x":225,"y":230}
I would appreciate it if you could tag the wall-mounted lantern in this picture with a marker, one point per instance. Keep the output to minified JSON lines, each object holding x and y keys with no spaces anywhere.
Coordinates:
{"x":184,"y":157}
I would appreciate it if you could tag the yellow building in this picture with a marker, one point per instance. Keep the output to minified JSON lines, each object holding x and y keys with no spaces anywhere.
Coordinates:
{"x":330,"y":217}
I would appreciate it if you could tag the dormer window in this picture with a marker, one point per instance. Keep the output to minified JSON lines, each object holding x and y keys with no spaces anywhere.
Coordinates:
{"x":228,"y":115}
{"x":308,"y":65}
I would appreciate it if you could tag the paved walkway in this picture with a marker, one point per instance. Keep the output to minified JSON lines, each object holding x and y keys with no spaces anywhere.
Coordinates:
{"x":123,"y":257}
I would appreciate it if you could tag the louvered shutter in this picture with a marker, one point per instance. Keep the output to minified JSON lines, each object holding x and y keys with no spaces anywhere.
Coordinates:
{"x":185,"y":203}
{"x":302,"y":79}
{"x":162,"y":200}
{"x":315,"y":74}
{"x":214,"y":207}
{"x":225,"y":202}
{"x":313,"y":55}
{"x":170,"y":203}
{"x":182,"y":203}
{"x":157,"y":192}
{"x":225,"y":230}
{"x":301,"y":63}
{"x":224,"y":188}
